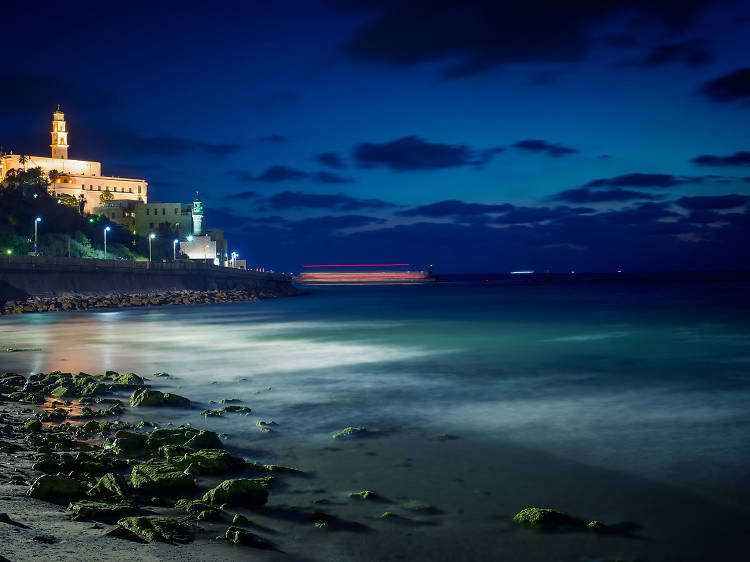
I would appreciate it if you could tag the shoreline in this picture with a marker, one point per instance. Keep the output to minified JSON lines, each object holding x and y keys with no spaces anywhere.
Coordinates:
{"x":143,"y":300}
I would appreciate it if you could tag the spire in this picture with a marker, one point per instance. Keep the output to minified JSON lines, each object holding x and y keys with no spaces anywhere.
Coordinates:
{"x":59,"y":133}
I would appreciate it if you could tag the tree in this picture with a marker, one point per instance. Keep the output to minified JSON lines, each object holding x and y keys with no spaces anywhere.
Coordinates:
{"x":22,"y":160}
{"x":105,"y":197}
{"x":53,"y":174}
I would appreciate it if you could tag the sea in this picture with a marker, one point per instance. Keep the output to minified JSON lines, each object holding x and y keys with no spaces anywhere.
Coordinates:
{"x":618,"y":398}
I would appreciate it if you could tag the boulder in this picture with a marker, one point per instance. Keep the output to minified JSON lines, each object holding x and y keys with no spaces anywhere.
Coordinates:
{"x":111,"y":485}
{"x":243,"y":537}
{"x":86,"y":510}
{"x":349,"y":432}
{"x":184,"y":437}
{"x":160,"y":478}
{"x":127,"y":443}
{"x":161,"y":529}
{"x":240,"y":492}
{"x":144,"y":397}
{"x":208,"y":461}
{"x":55,"y":488}
{"x":543,"y":518}
{"x":33,"y":425}
{"x":62,"y":391}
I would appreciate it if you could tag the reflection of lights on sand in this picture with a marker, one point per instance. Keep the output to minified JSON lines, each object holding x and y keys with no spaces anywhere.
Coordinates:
{"x":73,"y":409}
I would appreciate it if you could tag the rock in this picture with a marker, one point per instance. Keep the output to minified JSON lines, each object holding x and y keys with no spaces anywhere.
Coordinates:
{"x":228,"y":400}
{"x":243,"y":537}
{"x":271,"y":467}
{"x":130,"y":379}
{"x":111,"y":485}
{"x":160,"y":374}
{"x":349,"y":432}
{"x":540,"y":518}
{"x":240,"y":492}
{"x":62,"y":392}
{"x":160,"y":478}
{"x":118,"y":532}
{"x":33,"y":425}
{"x":128,"y":443}
{"x":387,"y":515}
{"x":183,"y":436}
{"x":364,"y":495}
{"x":240,"y":519}
{"x":209,"y":461}
{"x":596,"y":526}
{"x":161,"y":529}
{"x":145,"y":397}
{"x":211,"y":413}
{"x":55,"y":488}
{"x":235,"y":409}
{"x":86,"y":510}
{"x":195,"y":507}
{"x":93,"y":389}
{"x":55,"y":416}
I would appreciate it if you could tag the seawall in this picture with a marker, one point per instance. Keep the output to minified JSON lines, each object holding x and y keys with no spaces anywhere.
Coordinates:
{"x":27,"y":276}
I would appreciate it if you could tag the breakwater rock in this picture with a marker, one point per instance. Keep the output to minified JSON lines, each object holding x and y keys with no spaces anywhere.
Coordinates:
{"x":170,"y":298}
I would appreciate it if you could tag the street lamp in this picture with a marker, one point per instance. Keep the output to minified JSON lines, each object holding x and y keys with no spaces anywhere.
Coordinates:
{"x":36,"y":222}
{"x":190,"y":238}
{"x":174,"y":249}
{"x":205,"y":249}
{"x":234,"y":259}
{"x":106,"y":229}
{"x":150,"y":237}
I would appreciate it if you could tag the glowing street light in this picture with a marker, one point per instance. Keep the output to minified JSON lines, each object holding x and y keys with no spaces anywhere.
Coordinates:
{"x":36,"y":222}
{"x":234,"y":259}
{"x":150,"y":237}
{"x":205,"y":249}
{"x":174,"y":249}
{"x":190,"y":238}
{"x":106,"y":229}
{"x":9,"y":251}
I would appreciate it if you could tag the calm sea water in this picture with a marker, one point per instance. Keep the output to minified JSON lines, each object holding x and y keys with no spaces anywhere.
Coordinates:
{"x":626,"y":400}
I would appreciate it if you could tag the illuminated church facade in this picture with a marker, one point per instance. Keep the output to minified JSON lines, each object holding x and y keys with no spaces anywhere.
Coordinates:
{"x":81,"y":179}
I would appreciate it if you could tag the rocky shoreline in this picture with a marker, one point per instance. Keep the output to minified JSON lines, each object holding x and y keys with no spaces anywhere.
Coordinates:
{"x":171,"y":298}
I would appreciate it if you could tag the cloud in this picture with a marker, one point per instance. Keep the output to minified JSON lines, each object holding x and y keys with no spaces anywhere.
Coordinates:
{"x":331,"y":159}
{"x":643,"y":180}
{"x":328,"y":177}
{"x":736,"y":159}
{"x":713,"y":201}
{"x":296,"y":199}
{"x":586,"y":195}
{"x":413,"y":153}
{"x":522,"y":215}
{"x":691,"y":52}
{"x":128,"y":142}
{"x":535,"y":145}
{"x":335,"y":222}
{"x":242,"y":195}
{"x":273,"y":139}
{"x":275,"y":174}
{"x":453,"y":208}
{"x":734,"y":86}
{"x":643,"y":213}
{"x":483,"y":34}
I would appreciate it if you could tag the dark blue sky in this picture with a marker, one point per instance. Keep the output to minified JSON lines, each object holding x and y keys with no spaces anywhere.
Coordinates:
{"x":478,"y":136}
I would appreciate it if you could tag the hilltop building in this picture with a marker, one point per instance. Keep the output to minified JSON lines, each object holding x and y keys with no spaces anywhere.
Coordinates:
{"x":81,"y":179}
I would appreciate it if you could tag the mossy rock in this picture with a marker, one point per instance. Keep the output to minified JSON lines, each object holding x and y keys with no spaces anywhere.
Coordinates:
{"x":543,"y":518}
{"x":62,"y":392}
{"x":240,"y":519}
{"x":239,"y":492}
{"x":33,"y":425}
{"x":209,"y":461}
{"x":229,"y":400}
{"x":597,"y":526}
{"x":129,"y":443}
{"x":211,"y":413}
{"x":130,"y":379}
{"x":160,"y":374}
{"x":183,"y":436}
{"x":144,"y":397}
{"x":160,"y":479}
{"x":243,"y":537}
{"x":159,"y":529}
{"x":86,"y":510}
{"x":111,"y":485}
{"x":55,"y":488}
{"x":93,"y":389}
{"x":173,"y":452}
{"x":364,"y":495}
{"x":274,"y":468}
{"x":349,"y":432}
{"x":235,"y":409}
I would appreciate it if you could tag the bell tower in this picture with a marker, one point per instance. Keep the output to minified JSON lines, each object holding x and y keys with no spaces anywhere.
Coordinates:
{"x":199,"y":227}
{"x":59,"y":135}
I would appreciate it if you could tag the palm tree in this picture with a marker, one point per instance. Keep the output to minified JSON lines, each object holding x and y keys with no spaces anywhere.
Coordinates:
{"x":22,"y":160}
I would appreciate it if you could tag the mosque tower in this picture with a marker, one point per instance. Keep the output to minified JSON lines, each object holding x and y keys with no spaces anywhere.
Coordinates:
{"x":59,"y":135}
{"x":199,"y":226}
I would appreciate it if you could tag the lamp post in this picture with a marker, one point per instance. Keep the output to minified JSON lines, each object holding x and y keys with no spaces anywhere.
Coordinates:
{"x":106,"y":229}
{"x":36,"y":245}
{"x":174,"y":249}
{"x":205,"y":250}
{"x":150,"y":237}
{"x":234,"y":259}
{"x":190,"y":238}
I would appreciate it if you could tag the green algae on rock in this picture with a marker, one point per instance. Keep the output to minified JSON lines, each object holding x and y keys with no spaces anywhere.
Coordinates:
{"x":349,"y":432}
{"x":160,"y":478}
{"x":111,"y":485}
{"x":540,"y":518}
{"x":160,"y":529}
{"x":364,"y":495}
{"x":239,"y":492}
{"x":85,"y":510}
{"x":55,"y":488}
{"x":143,"y":397}
{"x":596,"y":526}
{"x":208,"y":461}
{"x":33,"y":425}
{"x":240,"y":519}
{"x":183,"y":436}
{"x":243,"y":537}
{"x":260,"y":467}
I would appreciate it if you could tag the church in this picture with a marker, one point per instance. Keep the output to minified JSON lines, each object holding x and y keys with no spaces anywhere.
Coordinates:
{"x":81,"y":179}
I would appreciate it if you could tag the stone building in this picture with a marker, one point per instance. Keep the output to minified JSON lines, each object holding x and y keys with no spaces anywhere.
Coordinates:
{"x":81,"y":179}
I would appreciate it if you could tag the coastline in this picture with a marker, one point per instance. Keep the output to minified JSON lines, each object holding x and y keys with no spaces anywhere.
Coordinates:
{"x":136,"y":300}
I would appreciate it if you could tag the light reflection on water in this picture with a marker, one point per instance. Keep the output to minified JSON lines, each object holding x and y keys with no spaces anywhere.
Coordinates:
{"x":650,"y":382}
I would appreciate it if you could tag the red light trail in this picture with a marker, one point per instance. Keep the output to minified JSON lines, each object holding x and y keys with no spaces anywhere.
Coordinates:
{"x":358,"y":265}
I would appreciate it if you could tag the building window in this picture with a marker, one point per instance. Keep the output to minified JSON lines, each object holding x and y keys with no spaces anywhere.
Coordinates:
{"x":98,"y":187}
{"x":130,"y":190}
{"x":163,"y":211}
{"x":148,"y":211}
{"x":139,"y":189}
{"x":176,"y":211}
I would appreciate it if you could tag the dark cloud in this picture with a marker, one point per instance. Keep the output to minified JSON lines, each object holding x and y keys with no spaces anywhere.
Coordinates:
{"x":296,"y":199}
{"x":691,"y":52}
{"x":587,"y":195}
{"x":335,"y":222}
{"x":713,"y":201}
{"x":328,"y":177}
{"x":523,"y":215}
{"x":242,"y":195}
{"x":273,"y":139}
{"x":643,"y":213}
{"x":482,"y":34}
{"x":643,"y":180}
{"x":275,"y":174}
{"x":331,"y":159}
{"x":734,"y":86}
{"x":736,"y":159}
{"x":454,"y":208}
{"x":536,"y":145}
{"x":124,"y":141}
{"x":412,"y":153}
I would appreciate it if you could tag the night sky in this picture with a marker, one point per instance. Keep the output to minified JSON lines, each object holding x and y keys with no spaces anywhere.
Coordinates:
{"x":476,"y":136}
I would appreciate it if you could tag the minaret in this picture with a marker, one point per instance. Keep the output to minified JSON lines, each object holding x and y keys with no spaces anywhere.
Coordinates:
{"x":199,"y":227}
{"x":59,"y":135}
